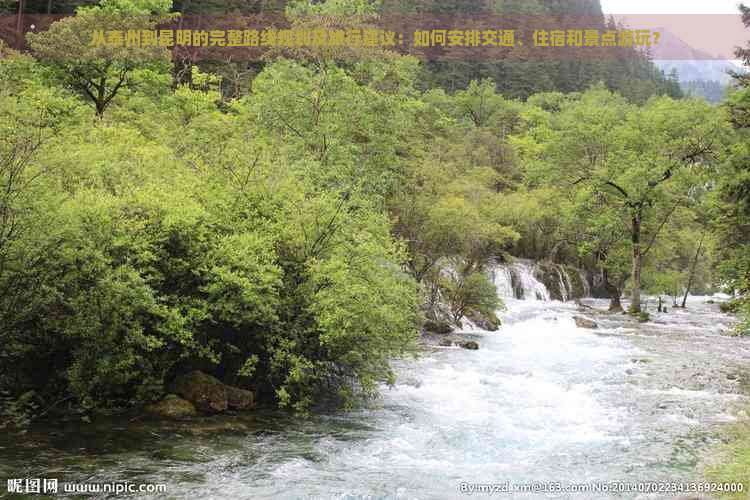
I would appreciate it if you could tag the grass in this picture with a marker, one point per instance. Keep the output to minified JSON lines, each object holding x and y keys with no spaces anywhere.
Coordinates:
{"x":733,"y":462}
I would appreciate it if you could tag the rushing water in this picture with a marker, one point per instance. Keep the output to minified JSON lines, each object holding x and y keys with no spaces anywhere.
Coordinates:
{"x":542,"y":400}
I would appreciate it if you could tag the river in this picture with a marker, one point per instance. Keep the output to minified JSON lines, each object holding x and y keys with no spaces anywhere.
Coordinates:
{"x":542,"y":400}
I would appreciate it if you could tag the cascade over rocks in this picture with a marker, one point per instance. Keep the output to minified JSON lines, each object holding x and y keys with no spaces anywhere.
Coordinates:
{"x":528,"y":280}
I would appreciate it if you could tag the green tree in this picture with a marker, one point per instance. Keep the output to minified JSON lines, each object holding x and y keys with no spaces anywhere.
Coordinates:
{"x":99,"y":72}
{"x":639,"y":162}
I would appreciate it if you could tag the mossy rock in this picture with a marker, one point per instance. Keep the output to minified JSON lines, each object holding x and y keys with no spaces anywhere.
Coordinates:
{"x":459,"y":342}
{"x":578,"y":290}
{"x":207,"y":393}
{"x":240,"y":399}
{"x":489,"y":322}
{"x":437,"y":326}
{"x":547,"y":274}
{"x":173,"y":407}
{"x":469,"y":344}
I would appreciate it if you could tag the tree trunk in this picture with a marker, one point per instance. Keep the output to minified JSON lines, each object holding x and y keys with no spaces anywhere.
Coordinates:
{"x":614,"y":293}
{"x":19,"y":24}
{"x":692,"y":270}
{"x":614,"y":304}
{"x":635,"y":300}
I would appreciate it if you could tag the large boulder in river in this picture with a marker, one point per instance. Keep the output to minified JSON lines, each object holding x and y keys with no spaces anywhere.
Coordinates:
{"x":489,"y":322}
{"x":239,"y":399}
{"x":173,"y":407}
{"x":585,"y":322}
{"x":207,"y":393}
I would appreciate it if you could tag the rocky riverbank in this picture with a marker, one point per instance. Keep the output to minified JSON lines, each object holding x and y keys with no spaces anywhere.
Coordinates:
{"x":196,"y":392}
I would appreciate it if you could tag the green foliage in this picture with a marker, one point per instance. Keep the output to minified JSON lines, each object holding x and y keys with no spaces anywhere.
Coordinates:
{"x":98,"y":72}
{"x":467,"y":294}
{"x":292,"y":240}
{"x":142,"y":251}
{"x":643,"y":317}
{"x":16,"y":413}
{"x":627,"y":169}
{"x":134,"y":7}
{"x":734,"y":462}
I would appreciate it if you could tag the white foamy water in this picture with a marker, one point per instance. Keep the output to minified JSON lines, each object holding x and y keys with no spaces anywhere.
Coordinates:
{"x":542,"y":400}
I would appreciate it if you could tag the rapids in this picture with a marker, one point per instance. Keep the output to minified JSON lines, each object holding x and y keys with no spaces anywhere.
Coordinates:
{"x":542,"y":400}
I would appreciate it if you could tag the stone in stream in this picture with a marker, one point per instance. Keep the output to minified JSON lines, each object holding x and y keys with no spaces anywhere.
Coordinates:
{"x":489,"y":322}
{"x":207,"y":393}
{"x":469,"y":344}
{"x":459,"y":342}
{"x":585,"y":323}
{"x":437,"y":326}
{"x":173,"y":407}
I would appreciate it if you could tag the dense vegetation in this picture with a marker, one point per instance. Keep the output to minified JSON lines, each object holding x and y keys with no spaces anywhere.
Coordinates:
{"x":292,"y":233}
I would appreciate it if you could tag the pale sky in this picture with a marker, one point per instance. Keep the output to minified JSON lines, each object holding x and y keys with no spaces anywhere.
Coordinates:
{"x":671,"y":6}
{"x":717,"y":35}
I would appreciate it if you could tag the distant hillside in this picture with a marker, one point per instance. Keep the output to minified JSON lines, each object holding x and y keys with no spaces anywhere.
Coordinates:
{"x":631,"y":73}
{"x":691,"y":64}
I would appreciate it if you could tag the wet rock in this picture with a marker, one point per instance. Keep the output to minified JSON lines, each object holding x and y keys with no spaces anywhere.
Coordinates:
{"x":438,"y":326}
{"x":469,"y":344}
{"x":207,"y":393}
{"x":491,"y":323}
{"x":239,"y":399}
{"x":585,"y":322}
{"x":173,"y":407}
{"x":458,"y":342}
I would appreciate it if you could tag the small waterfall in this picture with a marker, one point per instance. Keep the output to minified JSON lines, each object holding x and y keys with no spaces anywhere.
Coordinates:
{"x":501,"y":276}
{"x":566,"y":288}
{"x":518,"y":281}
{"x":585,"y":283}
{"x":528,"y":280}
{"x":533,"y":289}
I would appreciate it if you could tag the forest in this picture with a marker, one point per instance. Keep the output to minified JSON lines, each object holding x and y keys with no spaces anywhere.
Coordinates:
{"x":291,"y":226}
